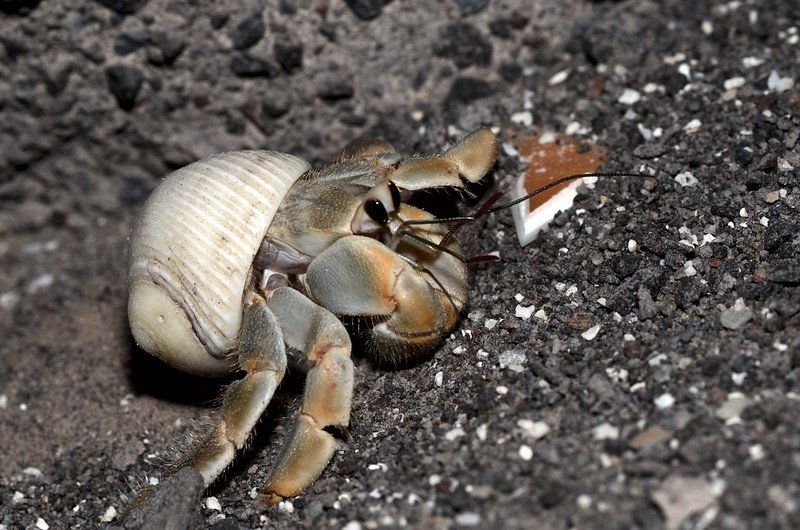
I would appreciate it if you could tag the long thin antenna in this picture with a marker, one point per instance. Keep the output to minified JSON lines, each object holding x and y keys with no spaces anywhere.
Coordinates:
{"x":488,"y":207}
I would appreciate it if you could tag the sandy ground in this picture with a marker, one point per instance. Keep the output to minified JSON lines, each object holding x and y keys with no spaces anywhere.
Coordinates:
{"x":679,"y":411}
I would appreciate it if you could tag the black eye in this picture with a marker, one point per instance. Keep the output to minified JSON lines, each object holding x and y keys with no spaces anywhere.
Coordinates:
{"x":395,"y":195}
{"x":376,"y":211}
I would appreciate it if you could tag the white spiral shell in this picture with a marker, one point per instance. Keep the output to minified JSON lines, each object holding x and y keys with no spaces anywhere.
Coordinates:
{"x":192,"y":250}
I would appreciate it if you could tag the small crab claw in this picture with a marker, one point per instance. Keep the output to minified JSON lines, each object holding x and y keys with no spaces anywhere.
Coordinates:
{"x":359,"y":276}
{"x":470,"y":158}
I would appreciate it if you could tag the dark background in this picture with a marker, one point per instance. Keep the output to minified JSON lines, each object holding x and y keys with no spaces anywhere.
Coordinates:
{"x":100,"y":99}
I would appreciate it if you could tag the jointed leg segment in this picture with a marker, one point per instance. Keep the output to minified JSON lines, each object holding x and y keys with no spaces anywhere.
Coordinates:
{"x":315,"y":331}
{"x":262,"y":357}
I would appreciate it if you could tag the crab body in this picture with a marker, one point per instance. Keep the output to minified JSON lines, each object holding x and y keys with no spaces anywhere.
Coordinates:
{"x":247,"y":260}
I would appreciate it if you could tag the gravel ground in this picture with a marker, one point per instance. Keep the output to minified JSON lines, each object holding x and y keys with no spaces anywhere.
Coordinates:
{"x":637,"y":366}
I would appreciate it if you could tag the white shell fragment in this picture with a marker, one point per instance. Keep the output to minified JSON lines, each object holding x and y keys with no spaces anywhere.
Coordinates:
{"x":191,"y":252}
{"x":528,"y":226}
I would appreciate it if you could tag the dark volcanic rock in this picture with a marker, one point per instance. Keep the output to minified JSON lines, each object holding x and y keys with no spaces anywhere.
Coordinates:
{"x":130,"y":41}
{"x":289,"y":54}
{"x":124,"y":82}
{"x":468,"y":7}
{"x":248,"y":31}
{"x":165,"y":48}
{"x":123,"y":7}
{"x":366,"y":9}
{"x":336,"y":88}
{"x":463,"y":44}
{"x":245,"y":65}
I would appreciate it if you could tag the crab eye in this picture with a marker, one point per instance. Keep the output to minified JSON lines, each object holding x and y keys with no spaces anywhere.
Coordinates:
{"x":376,"y":211}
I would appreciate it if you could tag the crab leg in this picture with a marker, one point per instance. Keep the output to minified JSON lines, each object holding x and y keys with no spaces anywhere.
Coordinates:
{"x":470,"y":158}
{"x":262,"y":356}
{"x":315,"y":331}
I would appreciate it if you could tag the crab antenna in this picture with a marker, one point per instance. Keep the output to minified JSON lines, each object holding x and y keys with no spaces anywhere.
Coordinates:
{"x":488,"y":207}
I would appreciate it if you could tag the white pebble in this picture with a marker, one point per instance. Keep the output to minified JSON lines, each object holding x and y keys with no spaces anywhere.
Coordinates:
{"x":518,"y":297}
{"x":490,"y":323}
{"x":664,"y":401}
{"x":434,"y":480}
{"x":454,"y":434}
{"x":605,"y":431}
{"x":632,"y":245}
{"x":534,"y":429}
{"x":212,"y":503}
{"x":707,"y":27}
{"x":584,"y":502}
{"x":693,"y":125}
{"x":525,"y":452}
{"x":352,"y":525}
{"x":738,"y":378}
{"x":688,"y":268}
{"x":524,"y":118}
{"x":742,"y":213}
{"x":686,"y":179}
{"x":524,"y":312}
{"x":764,"y":221}
{"x":288,"y":507}
{"x":501,"y":390}
{"x":468,"y":519}
{"x":32,"y":472}
{"x":8,"y":300}
{"x":629,"y":97}
{"x":734,"y":82}
{"x":109,"y":515}
{"x":482,"y":432}
{"x":540,"y":314}
{"x":40,"y":282}
{"x":752,"y":62}
{"x":17,"y":498}
{"x":591,"y":333}
{"x":756,"y":452}
{"x":558,"y":78}
{"x":779,"y":84}
{"x":41,"y":524}
{"x":438,"y":378}
{"x":3,"y":401}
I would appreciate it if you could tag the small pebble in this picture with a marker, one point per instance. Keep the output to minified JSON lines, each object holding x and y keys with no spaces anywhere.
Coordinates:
{"x":352,"y":525}
{"x":693,"y":125}
{"x":524,"y":312}
{"x":772,"y":197}
{"x":41,"y":524}
{"x":605,"y":431}
{"x":591,"y":333}
{"x":733,"y":406}
{"x":468,"y":519}
{"x":212,"y":503}
{"x":584,"y":502}
{"x":756,"y":452}
{"x":664,"y":401}
{"x":558,"y":78}
{"x":632,"y":245}
{"x":534,"y":429}
{"x":686,"y":179}
{"x":454,"y":434}
{"x":629,"y":97}
{"x":737,"y":316}
{"x":525,"y":452}
{"x":438,"y":378}
{"x":776,"y":83}
{"x":501,"y":390}
{"x":734,"y":82}
{"x":109,"y":515}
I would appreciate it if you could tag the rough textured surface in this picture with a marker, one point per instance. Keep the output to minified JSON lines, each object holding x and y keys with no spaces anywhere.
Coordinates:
{"x":99,"y":100}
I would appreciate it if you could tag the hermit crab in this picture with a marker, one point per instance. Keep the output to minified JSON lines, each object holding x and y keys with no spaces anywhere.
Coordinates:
{"x":247,"y":261}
